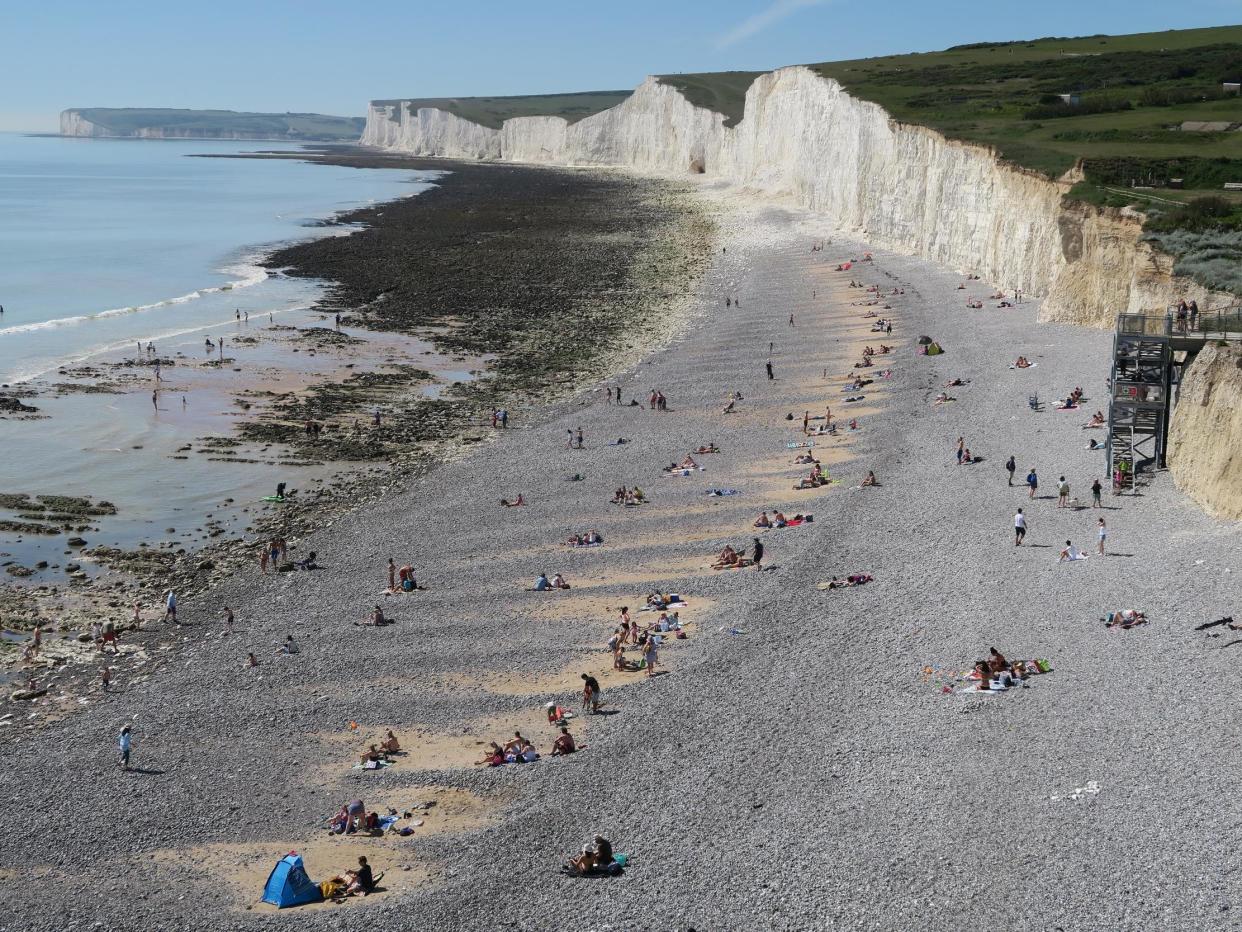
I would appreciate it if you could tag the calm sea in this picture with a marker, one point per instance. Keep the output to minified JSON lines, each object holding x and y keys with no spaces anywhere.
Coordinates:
{"x":108,"y":243}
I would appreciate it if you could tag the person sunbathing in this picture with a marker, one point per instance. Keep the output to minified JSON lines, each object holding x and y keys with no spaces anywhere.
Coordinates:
{"x":654,"y":600}
{"x":360,"y":881}
{"x":858,"y":579}
{"x":637,"y":496}
{"x":688,"y":463}
{"x":558,"y":582}
{"x":406,"y":580}
{"x":494,"y":756}
{"x":1097,"y":420}
{"x":618,"y":497}
{"x":541,"y":584}
{"x":1125,"y":618}
{"x":592,"y":859}
{"x":728,"y":557}
{"x":1069,"y":553}
{"x":870,"y":480}
{"x":763,"y":521}
{"x":779,"y":520}
{"x":710,"y":448}
{"x":515,"y":503}
{"x":377,"y":617}
{"x":728,"y":409}
{"x":976,"y":305}
{"x":564,"y":743}
{"x":967,"y":456}
{"x":954,"y":383}
{"x":1022,"y":363}
{"x":885,"y":350}
{"x":943,"y":398}
{"x":804,"y":459}
{"x":390,"y":743}
{"x":372,"y":755}
{"x":996,"y":661}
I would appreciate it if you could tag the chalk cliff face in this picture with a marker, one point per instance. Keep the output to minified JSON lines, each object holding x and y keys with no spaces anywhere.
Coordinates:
{"x":907,"y":187}
{"x":1205,"y":439}
{"x":73,"y":123}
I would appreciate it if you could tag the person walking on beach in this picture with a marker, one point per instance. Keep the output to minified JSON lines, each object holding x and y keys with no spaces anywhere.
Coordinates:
{"x":769,"y":368}
{"x":590,"y":693}
{"x":237,"y":314}
{"x":1096,"y":489}
{"x":1032,"y":482}
{"x":791,"y":323}
{"x":228,"y":620}
{"x":504,"y":418}
{"x":618,"y":394}
{"x":578,"y":439}
{"x":123,"y":745}
{"x":961,"y":449}
{"x":155,"y":399}
{"x":1011,"y":467}
{"x":888,"y":328}
{"x":569,"y":438}
{"x":758,"y":554}
{"x":105,"y":677}
{"x":263,"y":558}
{"x":1063,"y":491}
{"x":392,"y":575}
{"x":1101,"y":531}
{"x":338,"y":321}
{"x":1019,"y":528}
{"x":170,"y":606}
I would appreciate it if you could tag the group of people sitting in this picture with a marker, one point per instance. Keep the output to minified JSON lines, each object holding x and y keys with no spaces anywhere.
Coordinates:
{"x":1022,"y":363}
{"x":870,"y":351}
{"x":542,"y":584}
{"x":589,"y":539}
{"x":594,"y":859}
{"x":401,"y":579}
{"x":1097,"y":420}
{"x":778,"y":519}
{"x":519,"y":750}
{"x":627,"y":496}
{"x":359,"y":881}
{"x":377,"y":755}
{"x":996,"y":673}
{"x":814,"y":479}
{"x":353,"y":817}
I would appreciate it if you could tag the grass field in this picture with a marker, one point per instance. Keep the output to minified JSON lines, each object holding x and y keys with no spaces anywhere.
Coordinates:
{"x":1003,"y":94}
{"x":308,"y":126}
{"x":493,"y":111}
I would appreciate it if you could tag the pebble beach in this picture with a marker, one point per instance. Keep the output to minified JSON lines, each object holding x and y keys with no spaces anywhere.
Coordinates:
{"x":805,"y":758}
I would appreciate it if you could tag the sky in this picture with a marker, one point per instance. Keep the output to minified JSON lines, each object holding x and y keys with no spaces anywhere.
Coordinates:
{"x":326,"y":56}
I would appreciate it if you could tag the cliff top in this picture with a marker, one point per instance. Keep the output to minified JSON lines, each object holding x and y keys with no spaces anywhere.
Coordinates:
{"x":493,"y":111}
{"x":129,"y":121}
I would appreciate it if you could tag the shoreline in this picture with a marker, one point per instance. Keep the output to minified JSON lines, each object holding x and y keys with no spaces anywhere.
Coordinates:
{"x":423,"y":426}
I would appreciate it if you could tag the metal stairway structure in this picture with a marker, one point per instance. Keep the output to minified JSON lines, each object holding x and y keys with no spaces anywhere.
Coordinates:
{"x":1150,"y":353}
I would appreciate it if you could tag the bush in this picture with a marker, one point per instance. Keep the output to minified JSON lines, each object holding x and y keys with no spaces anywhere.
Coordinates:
{"x":1212,"y":258}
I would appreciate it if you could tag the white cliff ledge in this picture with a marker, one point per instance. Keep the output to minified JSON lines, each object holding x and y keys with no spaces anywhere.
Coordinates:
{"x":805,"y":138}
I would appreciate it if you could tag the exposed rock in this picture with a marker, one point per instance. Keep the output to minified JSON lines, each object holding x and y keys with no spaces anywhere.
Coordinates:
{"x":1205,"y":437}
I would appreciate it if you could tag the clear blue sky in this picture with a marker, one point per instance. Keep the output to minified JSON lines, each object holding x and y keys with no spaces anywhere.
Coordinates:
{"x":332,"y":57}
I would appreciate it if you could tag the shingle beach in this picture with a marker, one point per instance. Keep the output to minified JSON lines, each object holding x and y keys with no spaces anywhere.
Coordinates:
{"x":806,"y":759}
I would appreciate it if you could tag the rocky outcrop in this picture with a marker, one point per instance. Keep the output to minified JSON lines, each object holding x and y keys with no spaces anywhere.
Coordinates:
{"x":72,"y":123}
{"x":803,"y":137}
{"x":1205,"y":438}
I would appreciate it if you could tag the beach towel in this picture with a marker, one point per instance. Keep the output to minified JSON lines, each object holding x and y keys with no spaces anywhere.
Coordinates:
{"x":804,"y":445}
{"x":386,"y":822}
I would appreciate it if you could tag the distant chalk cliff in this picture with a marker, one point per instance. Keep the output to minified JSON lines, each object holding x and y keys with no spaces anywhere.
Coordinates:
{"x":147,"y":123}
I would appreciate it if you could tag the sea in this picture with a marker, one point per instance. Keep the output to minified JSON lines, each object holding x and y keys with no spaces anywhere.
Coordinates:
{"x":108,"y":245}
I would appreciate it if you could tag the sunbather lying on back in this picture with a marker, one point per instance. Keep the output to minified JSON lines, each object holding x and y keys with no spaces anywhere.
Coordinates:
{"x":515,"y":503}
{"x":710,"y":448}
{"x":1124,"y":618}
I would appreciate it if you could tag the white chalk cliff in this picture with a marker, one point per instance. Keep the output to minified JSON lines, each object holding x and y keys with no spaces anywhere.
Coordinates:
{"x":903,"y":186}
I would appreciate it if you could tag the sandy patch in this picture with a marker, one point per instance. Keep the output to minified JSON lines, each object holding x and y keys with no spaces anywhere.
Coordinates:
{"x":243,"y":868}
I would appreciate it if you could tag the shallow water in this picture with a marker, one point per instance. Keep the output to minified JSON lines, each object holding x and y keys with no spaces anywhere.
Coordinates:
{"x":114,"y":244}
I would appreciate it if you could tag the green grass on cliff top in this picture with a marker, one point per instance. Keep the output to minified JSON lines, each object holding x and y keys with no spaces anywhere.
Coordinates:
{"x":1000,"y":94}
{"x":308,"y":126}
{"x":493,"y":111}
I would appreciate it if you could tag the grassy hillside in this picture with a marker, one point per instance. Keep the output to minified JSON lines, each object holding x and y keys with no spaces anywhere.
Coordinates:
{"x":1135,"y":91}
{"x":493,"y":111}
{"x":125,"y":121}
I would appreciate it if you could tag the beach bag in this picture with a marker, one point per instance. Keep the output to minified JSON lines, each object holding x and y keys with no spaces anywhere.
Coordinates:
{"x":1043,"y":665}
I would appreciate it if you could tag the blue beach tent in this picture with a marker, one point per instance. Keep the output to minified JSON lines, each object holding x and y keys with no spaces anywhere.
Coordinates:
{"x":288,"y":884}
